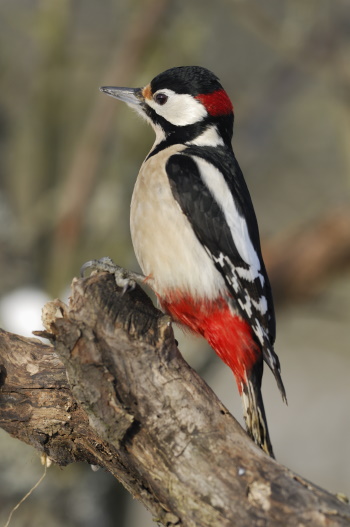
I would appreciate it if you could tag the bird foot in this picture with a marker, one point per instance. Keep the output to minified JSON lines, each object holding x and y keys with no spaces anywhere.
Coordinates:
{"x":123,"y":278}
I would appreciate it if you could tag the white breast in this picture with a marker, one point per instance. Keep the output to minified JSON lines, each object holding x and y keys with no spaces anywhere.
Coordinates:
{"x":166,"y":247}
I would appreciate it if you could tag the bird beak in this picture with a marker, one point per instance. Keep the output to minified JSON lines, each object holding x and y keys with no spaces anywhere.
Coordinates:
{"x":132,"y":96}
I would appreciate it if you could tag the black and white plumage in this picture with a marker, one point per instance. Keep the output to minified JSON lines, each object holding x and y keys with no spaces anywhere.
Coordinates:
{"x":195,"y":232}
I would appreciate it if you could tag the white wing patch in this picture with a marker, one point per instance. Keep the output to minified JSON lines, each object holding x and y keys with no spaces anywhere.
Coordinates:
{"x":259,"y":331}
{"x":249,"y":303}
{"x":247,"y":275}
{"x":246,"y":305}
{"x":223,"y":261}
{"x":261,"y":305}
{"x":217,"y":185}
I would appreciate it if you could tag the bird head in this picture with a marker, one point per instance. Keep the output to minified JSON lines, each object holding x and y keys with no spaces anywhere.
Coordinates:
{"x":182,"y":104}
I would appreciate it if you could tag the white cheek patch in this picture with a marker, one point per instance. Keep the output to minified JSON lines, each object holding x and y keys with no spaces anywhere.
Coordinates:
{"x":181,"y":109}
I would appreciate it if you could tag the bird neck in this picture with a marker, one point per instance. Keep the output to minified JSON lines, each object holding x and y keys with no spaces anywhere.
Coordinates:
{"x":208,"y":133}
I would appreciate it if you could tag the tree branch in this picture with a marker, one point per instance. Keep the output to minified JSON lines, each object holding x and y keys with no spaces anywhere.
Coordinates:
{"x":133,"y":406}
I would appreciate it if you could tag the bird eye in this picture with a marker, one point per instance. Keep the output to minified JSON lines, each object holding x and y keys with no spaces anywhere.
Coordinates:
{"x":161,"y":98}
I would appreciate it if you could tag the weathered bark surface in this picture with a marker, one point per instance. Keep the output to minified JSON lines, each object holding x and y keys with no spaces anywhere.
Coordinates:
{"x":133,"y":406}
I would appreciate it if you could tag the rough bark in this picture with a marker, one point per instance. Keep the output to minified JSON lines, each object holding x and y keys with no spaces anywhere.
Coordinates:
{"x":132,"y":405}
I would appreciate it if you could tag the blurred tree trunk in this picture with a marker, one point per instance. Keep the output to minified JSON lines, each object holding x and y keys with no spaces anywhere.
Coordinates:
{"x":300,"y":262}
{"x":133,"y":406}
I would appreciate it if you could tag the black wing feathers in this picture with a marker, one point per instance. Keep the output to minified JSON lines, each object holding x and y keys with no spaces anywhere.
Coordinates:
{"x":224,"y":160}
{"x":209,"y":224}
{"x":197,"y":203}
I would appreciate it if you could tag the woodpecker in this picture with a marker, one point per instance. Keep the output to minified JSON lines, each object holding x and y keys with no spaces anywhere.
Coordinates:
{"x":195,"y":232}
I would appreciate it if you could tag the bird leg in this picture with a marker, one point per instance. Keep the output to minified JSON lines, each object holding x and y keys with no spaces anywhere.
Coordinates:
{"x":123,"y":278}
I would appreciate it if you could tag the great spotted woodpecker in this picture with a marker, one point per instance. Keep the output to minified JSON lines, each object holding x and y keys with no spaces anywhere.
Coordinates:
{"x":195,"y":232}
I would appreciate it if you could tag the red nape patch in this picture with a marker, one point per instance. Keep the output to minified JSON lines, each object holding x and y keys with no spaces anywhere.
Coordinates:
{"x":229,"y":335}
{"x":216,"y":103}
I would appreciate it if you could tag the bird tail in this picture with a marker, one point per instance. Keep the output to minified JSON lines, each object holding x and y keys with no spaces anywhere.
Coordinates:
{"x":254,"y":412}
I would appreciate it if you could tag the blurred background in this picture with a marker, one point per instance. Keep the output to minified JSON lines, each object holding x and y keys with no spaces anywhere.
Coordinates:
{"x":69,"y":157}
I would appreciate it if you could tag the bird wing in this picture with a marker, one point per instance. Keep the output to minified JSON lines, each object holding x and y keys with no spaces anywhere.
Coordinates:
{"x":210,"y":189}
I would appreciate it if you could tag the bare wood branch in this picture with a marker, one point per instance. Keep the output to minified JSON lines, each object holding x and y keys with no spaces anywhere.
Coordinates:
{"x":133,"y":406}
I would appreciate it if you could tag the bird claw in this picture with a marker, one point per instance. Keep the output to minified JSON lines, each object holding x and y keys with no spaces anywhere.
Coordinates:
{"x":102,"y":264}
{"x":123,"y":278}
